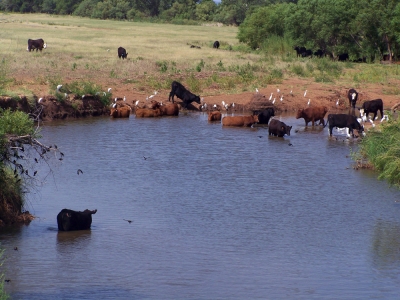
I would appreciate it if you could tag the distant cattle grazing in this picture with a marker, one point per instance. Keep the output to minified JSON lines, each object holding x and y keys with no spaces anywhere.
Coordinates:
{"x":38,"y":44}
{"x":121,"y":112}
{"x":216,"y":45}
{"x":240,"y":121}
{"x":300,"y":50}
{"x":214,"y":116}
{"x":68,"y":220}
{"x":265,"y":115}
{"x":342,"y":121}
{"x":372,"y":106}
{"x":182,"y":93}
{"x":343,"y":57}
{"x":122,"y":53}
{"x":313,"y":114}
{"x":319,"y":53}
{"x":352,"y":95}
{"x":278,"y":128}
{"x":147,"y":113}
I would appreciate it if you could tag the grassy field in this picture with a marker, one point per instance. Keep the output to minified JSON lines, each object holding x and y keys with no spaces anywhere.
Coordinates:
{"x":82,"y":49}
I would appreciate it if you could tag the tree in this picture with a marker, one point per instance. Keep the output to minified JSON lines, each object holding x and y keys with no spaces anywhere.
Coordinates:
{"x":205,"y":10}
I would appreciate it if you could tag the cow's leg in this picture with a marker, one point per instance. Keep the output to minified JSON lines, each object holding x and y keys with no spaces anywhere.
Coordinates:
{"x":312,"y":122}
{"x":330,"y":129}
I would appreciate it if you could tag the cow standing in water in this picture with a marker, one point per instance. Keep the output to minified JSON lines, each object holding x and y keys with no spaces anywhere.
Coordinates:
{"x":38,"y":44}
{"x":182,"y":93}
{"x":312,"y":114}
{"x":278,"y":128}
{"x":342,"y":121}
{"x":68,"y":220}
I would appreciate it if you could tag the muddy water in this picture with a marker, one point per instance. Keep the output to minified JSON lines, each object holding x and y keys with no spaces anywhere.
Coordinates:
{"x":217,"y":213}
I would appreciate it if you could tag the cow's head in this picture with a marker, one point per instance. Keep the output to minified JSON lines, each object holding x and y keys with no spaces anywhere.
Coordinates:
{"x":196,"y":99}
{"x":287,"y":129}
{"x":353,"y":96}
{"x":299,"y":113}
{"x":44,"y":46}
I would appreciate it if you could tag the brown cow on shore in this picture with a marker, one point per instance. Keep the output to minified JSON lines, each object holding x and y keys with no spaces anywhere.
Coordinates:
{"x":214,"y":116}
{"x":313,"y":114}
{"x":241,"y":121}
{"x":147,"y":113}
{"x":121,"y":112}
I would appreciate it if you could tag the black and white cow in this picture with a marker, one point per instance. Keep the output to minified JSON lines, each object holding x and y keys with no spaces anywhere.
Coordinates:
{"x":122,"y":53}
{"x":38,"y":44}
{"x":278,"y":128}
{"x":343,"y":121}
{"x":216,"y":45}
{"x":68,"y":220}
{"x":182,"y":93}
{"x":352,"y":95}
{"x":371,"y":106}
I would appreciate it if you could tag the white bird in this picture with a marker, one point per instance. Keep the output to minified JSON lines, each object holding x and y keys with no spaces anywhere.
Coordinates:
{"x":291,"y":92}
{"x":115,"y":99}
{"x":233,"y":104}
{"x":137,"y":102}
{"x":223,"y":103}
{"x":270,"y":97}
{"x":309,"y":101}
{"x":155,"y":92}
{"x":205,"y":105}
{"x":66,"y":95}
{"x":114,"y":105}
{"x":108,"y":49}
{"x":40,"y":100}
{"x":109,"y":90}
{"x":151,"y":96}
{"x":256,"y":90}
{"x":337,"y":102}
{"x":147,"y":98}
{"x":59,"y":87}
{"x":124,"y":98}
{"x":385,"y":117}
{"x":215,"y":105}
{"x":104,"y":93}
{"x":273,"y":101}
{"x":278,"y":90}
{"x":83,"y":96}
{"x":281,"y":98}
{"x":305,"y":93}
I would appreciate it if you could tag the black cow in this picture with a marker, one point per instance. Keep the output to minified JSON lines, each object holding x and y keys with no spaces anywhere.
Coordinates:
{"x":265,"y":115}
{"x":68,"y":220}
{"x":122,"y":53}
{"x":38,"y":44}
{"x":216,"y":45}
{"x":182,"y":93}
{"x":343,"y":57}
{"x":300,"y":50}
{"x":278,"y":128}
{"x":342,"y":121}
{"x":352,"y":95}
{"x":372,"y":106}
{"x":307,"y":53}
{"x":319,"y":53}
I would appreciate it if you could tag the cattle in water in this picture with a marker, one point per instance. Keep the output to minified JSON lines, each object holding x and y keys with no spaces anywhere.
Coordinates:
{"x":266,"y":115}
{"x":352,"y":95}
{"x":343,"y":121}
{"x":170,"y":109}
{"x":278,"y":128}
{"x":147,"y":113}
{"x":68,"y":220}
{"x":177,"y":89}
{"x":38,"y":44}
{"x":122,"y":53}
{"x":372,"y":106}
{"x":214,"y":116}
{"x":312,"y":114}
{"x":240,"y":121}
{"x":121,"y":112}
{"x":216,"y":45}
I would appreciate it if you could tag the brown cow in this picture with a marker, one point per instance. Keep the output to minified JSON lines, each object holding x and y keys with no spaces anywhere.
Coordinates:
{"x":214,"y":116}
{"x":171,"y":109}
{"x":245,"y":121}
{"x":121,"y":112}
{"x":313,"y":114}
{"x":147,"y":113}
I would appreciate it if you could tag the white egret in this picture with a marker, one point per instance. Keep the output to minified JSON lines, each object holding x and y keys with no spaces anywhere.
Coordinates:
{"x":309,"y":101}
{"x":305,"y":93}
{"x":59,"y":87}
{"x":109,"y":90}
{"x":270,"y":97}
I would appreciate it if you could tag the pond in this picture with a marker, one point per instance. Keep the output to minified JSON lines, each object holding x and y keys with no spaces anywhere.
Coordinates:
{"x":217,"y":213}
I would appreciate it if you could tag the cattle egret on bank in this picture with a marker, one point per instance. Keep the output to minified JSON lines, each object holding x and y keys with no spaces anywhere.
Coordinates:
{"x":291,"y":92}
{"x":137,"y":102}
{"x":59,"y":87}
{"x":114,"y":105}
{"x":278,"y":91}
{"x":337,"y":102}
{"x":309,"y":101}
{"x":83,"y":96}
{"x":281,"y":98}
{"x":40,"y":100}
{"x":273,"y":101}
{"x":256,"y":90}
{"x":270,"y":97}
{"x":223,"y":103}
{"x":109,"y":90}
{"x":124,"y":98}
{"x":305,"y":93}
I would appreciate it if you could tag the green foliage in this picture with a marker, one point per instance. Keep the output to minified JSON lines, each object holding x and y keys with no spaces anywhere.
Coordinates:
{"x":3,"y":294}
{"x":163,"y":65}
{"x":16,"y":123}
{"x":382,"y":149}
{"x":194,"y":85}
{"x":4,"y":78}
{"x":200,"y":65}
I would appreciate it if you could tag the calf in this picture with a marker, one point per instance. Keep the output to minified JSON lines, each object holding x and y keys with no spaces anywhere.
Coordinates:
{"x":182,"y":93}
{"x":68,"y":219}
{"x":342,"y":121}
{"x":372,"y":106}
{"x":313,"y":114}
{"x":352,"y":95}
{"x":122,"y":53}
{"x":265,"y":115}
{"x":121,"y":112}
{"x":240,"y":121}
{"x":216,"y":45}
{"x":38,"y":44}
{"x":278,"y":128}
{"x":214,"y":116}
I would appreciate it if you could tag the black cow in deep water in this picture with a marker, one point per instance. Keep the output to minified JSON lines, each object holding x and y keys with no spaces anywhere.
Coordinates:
{"x":352,"y":95}
{"x":216,"y":45}
{"x":278,"y":128}
{"x":38,"y":44}
{"x":122,"y":53}
{"x":68,"y":220}
{"x":265,"y":115}
{"x":372,"y":106}
{"x":182,"y":93}
{"x":342,"y":121}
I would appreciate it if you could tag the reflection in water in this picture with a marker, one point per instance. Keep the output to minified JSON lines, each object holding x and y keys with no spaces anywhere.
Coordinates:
{"x":217,"y":213}
{"x":386,"y":244}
